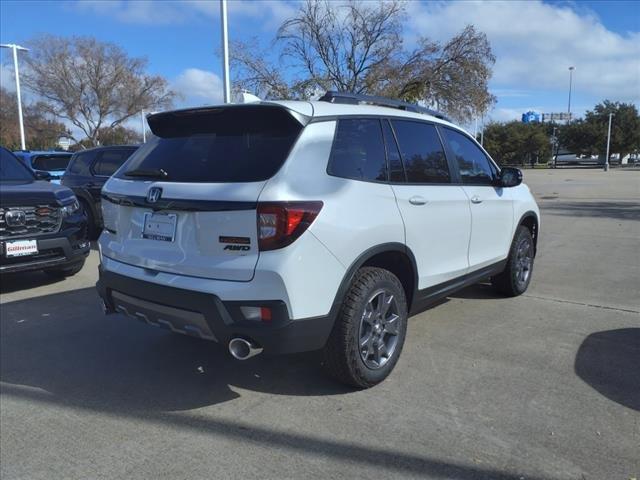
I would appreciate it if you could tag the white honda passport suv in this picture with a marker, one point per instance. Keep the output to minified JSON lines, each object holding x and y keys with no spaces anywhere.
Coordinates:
{"x":290,"y":226}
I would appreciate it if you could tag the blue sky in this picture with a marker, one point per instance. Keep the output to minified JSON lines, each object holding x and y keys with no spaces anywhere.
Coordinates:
{"x":535,"y":42}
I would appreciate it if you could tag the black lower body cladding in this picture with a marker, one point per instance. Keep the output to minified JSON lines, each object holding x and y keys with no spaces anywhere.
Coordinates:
{"x":207,"y":316}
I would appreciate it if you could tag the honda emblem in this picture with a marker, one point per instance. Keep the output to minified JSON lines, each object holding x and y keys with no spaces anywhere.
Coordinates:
{"x":154,"y":194}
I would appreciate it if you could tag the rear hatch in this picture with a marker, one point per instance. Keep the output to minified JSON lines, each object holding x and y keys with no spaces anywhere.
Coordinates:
{"x":186,"y":201}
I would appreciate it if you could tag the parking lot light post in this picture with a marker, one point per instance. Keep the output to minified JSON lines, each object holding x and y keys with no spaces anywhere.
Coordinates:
{"x":144,"y":129}
{"x":15,"y":49}
{"x":606,"y":160}
{"x":571,"y":69}
{"x":225,"y":51}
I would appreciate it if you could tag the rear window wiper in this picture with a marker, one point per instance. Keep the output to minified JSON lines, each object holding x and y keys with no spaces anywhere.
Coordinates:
{"x":150,"y":173}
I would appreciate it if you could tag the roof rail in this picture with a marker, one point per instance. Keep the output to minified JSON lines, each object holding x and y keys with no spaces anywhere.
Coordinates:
{"x":333,"y":96}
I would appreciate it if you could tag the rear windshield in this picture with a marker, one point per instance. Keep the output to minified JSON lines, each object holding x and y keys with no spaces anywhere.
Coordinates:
{"x":236,"y":144}
{"x":50,"y":162}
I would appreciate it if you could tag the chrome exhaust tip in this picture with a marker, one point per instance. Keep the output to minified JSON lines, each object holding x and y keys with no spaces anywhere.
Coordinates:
{"x":242,"y":349}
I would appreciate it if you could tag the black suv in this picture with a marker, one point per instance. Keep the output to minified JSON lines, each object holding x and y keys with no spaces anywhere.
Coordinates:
{"x":41,"y":224}
{"x":87,"y":172}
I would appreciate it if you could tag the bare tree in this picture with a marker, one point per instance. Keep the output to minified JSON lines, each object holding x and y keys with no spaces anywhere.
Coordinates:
{"x":253,"y":72}
{"x":90,"y":83}
{"x":357,"y":47}
{"x":340,"y":45}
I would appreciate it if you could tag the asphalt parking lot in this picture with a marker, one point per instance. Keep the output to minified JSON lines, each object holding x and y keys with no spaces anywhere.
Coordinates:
{"x":546,"y":385}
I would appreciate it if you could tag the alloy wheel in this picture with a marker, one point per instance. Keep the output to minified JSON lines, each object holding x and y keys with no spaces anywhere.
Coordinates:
{"x":379,"y":329}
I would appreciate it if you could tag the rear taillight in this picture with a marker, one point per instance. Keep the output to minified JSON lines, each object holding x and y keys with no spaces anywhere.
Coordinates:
{"x":280,"y":223}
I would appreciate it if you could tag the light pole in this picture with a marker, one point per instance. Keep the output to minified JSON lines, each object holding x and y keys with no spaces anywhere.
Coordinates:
{"x":606,"y":160}
{"x":571,"y":69}
{"x":554,"y":147}
{"x":15,"y":49}
{"x":225,"y":51}
{"x":144,"y":129}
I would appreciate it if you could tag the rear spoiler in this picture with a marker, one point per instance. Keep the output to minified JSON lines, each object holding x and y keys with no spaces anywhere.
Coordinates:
{"x":253,"y":117}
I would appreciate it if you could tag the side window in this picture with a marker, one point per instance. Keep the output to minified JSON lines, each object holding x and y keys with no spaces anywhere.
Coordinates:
{"x":79,"y":163}
{"x":358,"y":150}
{"x":422,"y":152}
{"x":396,"y":172}
{"x":74,"y":165}
{"x":109,"y":162}
{"x":475,"y":168}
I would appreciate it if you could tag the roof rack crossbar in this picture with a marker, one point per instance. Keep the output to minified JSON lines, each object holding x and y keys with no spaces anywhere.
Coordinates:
{"x":333,"y":96}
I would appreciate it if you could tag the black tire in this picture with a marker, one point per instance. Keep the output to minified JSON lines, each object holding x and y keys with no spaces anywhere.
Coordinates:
{"x":343,"y":358}
{"x":92,"y":228}
{"x":65,"y":272}
{"x":512,"y":281}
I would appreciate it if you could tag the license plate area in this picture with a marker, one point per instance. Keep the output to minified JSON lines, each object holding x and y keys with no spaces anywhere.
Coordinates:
{"x":20,"y":248}
{"x":159,"y":226}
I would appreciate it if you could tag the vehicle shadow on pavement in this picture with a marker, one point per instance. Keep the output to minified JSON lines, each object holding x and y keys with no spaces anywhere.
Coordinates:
{"x":64,"y":345}
{"x":478,"y":291}
{"x":12,"y":282}
{"x":609,"y":361}
{"x":614,"y":210}
{"x":387,"y":458}
{"x":60,"y":350}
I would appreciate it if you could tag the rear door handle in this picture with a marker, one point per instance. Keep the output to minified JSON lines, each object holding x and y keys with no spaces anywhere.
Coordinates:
{"x":476,"y":199}
{"x":417,"y":200}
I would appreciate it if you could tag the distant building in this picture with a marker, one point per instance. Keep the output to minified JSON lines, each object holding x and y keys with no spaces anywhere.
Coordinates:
{"x":64,"y":143}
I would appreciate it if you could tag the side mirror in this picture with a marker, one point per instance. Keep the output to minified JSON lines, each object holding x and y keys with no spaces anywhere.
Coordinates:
{"x":42,"y":175}
{"x":510,"y":177}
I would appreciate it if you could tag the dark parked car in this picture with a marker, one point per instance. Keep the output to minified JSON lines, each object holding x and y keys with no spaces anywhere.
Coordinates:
{"x":87,"y":172}
{"x":52,"y":162}
{"x":41,"y":224}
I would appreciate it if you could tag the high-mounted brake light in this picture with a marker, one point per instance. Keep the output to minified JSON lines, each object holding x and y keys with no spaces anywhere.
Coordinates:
{"x":281,"y":223}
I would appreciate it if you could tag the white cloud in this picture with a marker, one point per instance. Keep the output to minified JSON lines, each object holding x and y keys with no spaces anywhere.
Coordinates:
{"x":164,"y":12}
{"x":535,"y":43}
{"x":272,"y":12}
{"x":510,"y":93}
{"x":138,"y":11}
{"x":198,"y":87}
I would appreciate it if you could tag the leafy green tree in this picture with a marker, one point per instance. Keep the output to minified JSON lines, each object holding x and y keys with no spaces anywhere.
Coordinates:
{"x":118,"y":135}
{"x":40,"y":130}
{"x":517,"y":143}
{"x":589,"y":136}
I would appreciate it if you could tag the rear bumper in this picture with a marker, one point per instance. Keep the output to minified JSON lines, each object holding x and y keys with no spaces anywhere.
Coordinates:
{"x":58,"y":252}
{"x":205,"y":315}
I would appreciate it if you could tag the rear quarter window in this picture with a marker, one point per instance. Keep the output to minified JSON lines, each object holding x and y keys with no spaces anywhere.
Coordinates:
{"x":358,"y":150}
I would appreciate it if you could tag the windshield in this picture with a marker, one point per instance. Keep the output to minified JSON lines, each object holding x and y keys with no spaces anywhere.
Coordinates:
{"x":237,"y":144}
{"x":51,"y":162}
{"x":12,"y":170}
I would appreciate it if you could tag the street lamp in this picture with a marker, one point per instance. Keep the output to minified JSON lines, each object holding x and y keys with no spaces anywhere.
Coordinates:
{"x":225,"y":52}
{"x":144,"y":127}
{"x":571,"y":69}
{"x":15,"y":49}
{"x":606,"y":160}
